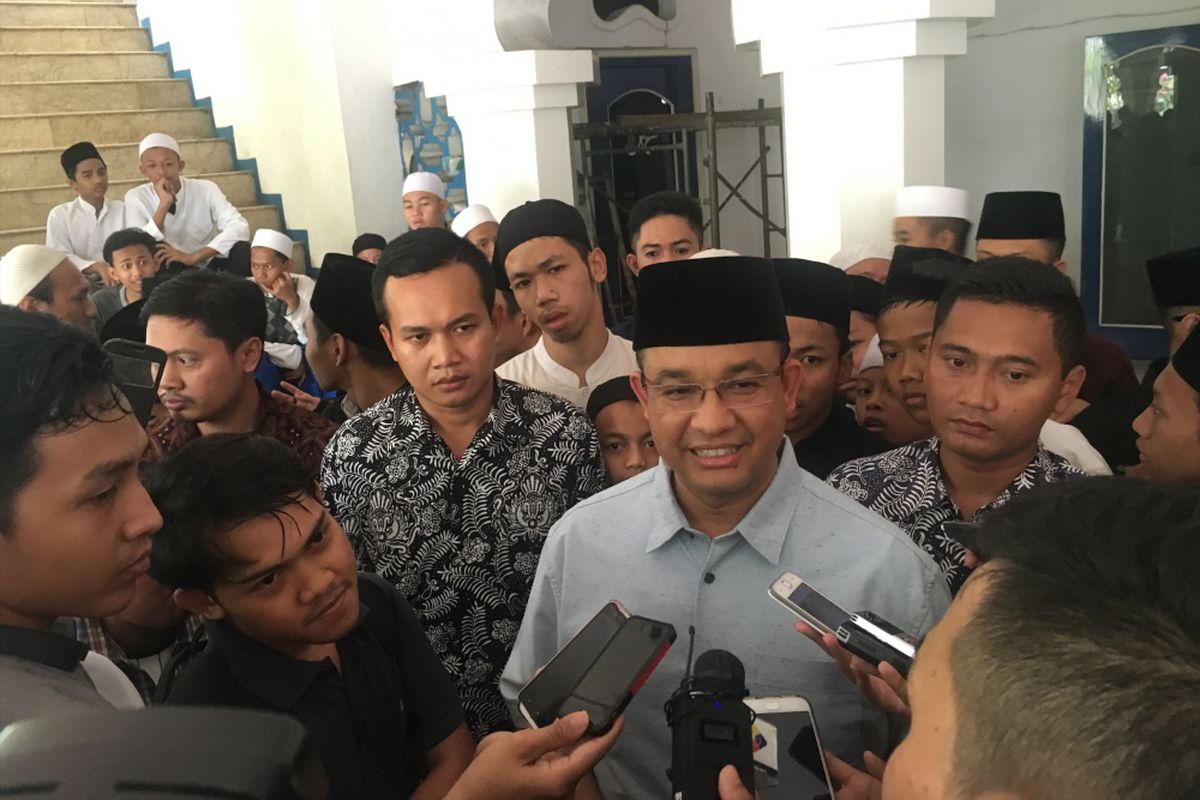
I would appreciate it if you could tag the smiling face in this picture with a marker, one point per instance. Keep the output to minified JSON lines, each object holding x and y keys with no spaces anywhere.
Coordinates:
{"x":131,"y":265}
{"x":91,"y":180}
{"x":905,"y":330}
{"x":1169,"y":430}
{"x":424,"y":210}
{"x":556,"y":287}
{"x":160,"y":162}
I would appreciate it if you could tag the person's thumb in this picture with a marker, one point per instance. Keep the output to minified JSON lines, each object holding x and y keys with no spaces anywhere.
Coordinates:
{"x":564,"y":732}
{"x":729,"y":784}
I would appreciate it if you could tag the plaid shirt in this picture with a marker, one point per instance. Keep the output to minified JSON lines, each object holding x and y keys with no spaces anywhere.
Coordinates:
{"x":92,"y":633}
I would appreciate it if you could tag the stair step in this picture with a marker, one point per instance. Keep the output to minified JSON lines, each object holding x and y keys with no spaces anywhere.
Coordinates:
{"x":27,"y":208}
{"x":76,"y":40}
{"x":61,"y":130}
{"x":40,"y":167}
{"x":67,"y":66}
{"x":96,"y":13}
{"x":63,"y":96}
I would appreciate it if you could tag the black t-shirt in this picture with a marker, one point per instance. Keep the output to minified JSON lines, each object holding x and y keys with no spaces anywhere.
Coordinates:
{"x":372,"y":723}
{"x":837,"y":440}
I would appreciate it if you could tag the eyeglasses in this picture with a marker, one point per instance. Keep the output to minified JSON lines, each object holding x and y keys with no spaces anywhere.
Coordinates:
{"x":684,"y":398}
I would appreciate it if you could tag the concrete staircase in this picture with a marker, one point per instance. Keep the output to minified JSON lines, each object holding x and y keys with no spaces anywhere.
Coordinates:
{"x":74,"y":70}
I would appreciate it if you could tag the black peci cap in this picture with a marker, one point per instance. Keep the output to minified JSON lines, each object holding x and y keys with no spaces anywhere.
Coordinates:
{"x":813,"y":290}
{"x":342,"y":300}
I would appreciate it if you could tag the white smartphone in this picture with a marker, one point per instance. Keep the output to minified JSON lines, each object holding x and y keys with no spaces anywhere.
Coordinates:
{"x":807,"y":603}
{"x":789,"y":761}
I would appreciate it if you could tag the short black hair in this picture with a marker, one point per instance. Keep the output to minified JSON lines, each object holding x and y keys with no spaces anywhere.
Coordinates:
{"x":128,"y":237}
{"x":425,"y":250}
{"x":210,"y":486}
{"x":1056,"y":246}
{"x":55,"y":378}
{"x":1078,"y":674}
{"x":511,"y":306}
{"x":960,"y":228}
{"x":370,"y":356}
{"x":1025,"y":283}
{"x":662,"y":204}
{"x":227,"y":308}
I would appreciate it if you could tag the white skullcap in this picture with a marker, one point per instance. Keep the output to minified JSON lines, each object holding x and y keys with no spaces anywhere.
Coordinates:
{"x":424,"y":182}
{"x":713,"y":252}
{"x":23,"y":268}
{"x":847,"y":257}
{"x":158,"y":140}
{"x":931,"y":201}
{"x":470,"y":218}
{"x":265,"y":237}
{"x":873,"y":357}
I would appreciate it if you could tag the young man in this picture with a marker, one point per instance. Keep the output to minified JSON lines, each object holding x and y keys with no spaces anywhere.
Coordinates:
{"x":368,"y":247}
{"x":130,"y":256}
{"x":555,"y":275}
{"x":191,"y":219}
{"x":79,"y":228}
{"x":38,"y":279}
{"x":292,"y":627}
{"x":1090,"y":573}
{"x":625,"y":439}
{"x":932,"y":216}
{"x":287,"y":297}
{"x":448,"y":487}
{"x":345,"y":349}
{"x":866,"y":260}
{"x":878,"y":409}
{"x":823,"y":431}
{"x":75,"y":522}
{"x":478,"y":226}
{"x":864,"y":308}
{"x":1169,"y":430}
{"x":211,"y":327}
{"x":1003,"y":359}
{"x":1031,"y":225}
{"x":697,"y":540}
{"x":424,"y":197}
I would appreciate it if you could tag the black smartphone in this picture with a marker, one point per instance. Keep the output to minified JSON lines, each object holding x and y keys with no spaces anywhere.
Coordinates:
{"x":873,"y":644}
{"x":139,"y":368}
{"x":541,"y":700}
{"x":615,"y":677}
{"x":965,"y":533}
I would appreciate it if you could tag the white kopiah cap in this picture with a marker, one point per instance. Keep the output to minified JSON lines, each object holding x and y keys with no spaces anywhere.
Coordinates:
{"x":265,"y":237}
{"x":23,"y":268}
{"x":424,"y":182}
{"x":847,"y":257}
{"x":470,"y":218}
{"x":873,"y":357}
{"x":713,"y":252}
{"x":158,"y":140}
{"x":931,"y":201}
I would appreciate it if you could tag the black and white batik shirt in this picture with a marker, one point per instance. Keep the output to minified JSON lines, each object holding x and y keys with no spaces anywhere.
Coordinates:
{"x":906,"y":486}
{"x":461,"y":539}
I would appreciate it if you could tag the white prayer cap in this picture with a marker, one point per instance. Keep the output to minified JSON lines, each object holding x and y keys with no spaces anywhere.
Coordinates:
{"x":424,"y":182}
{"x":265,"y":237}
{"x":847,"y":257}
{"x":713,"y":252}
{"x":470,"y":218}
{"x":158,"y":140}
{"x":23,"y":268}
{"x":873,"y":357}
{"x":931,"y":201}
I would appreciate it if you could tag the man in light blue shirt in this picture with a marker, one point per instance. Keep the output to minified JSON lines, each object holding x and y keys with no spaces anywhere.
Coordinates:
{"x":699,"y":539}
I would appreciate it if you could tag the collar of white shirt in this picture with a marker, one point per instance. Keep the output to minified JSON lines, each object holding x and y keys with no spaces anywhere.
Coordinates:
{"x":90,"y":210}
{"x":566,"y":377}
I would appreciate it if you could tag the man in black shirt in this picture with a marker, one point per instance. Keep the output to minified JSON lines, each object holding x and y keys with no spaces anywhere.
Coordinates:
{"x":293,"y":627}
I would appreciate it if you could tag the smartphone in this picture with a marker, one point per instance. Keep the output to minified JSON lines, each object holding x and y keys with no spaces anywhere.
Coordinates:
{"x":615,"y":677}
{"x":873,"y":643}
{"x":139,"y":368}
{"x":541,"y":700}
{"x":789,"y":762}
{"x":807,"y":603}
{"x":965,"y":533}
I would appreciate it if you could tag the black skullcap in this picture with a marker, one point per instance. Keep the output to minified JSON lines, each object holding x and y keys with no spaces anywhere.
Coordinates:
{"x":919,"y":274}
{"x":864,"y":294}
{"x":1022,"y":215}
{"x":368,"y":241}
{"x":342,"y":300}
{"x":534,"y":219}
{"x":697,"y":302}
{"x":814,"y":291}
{"x":125,"y":324}
{"x":1175,"y":278}
{"x":80,"y":151}
{"x":613,"y":390}
{"x":1186,"y":360}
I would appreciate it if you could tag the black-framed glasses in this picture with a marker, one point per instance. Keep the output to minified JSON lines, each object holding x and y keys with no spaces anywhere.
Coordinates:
{"x":743,"y":392}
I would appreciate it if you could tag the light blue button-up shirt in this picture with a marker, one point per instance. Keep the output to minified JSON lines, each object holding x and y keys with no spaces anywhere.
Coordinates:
{"x":633,"y":543}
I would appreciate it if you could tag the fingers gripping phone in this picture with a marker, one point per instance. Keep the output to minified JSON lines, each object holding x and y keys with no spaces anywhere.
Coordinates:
{"x":807,"y":603}
{"x":789,"y":761}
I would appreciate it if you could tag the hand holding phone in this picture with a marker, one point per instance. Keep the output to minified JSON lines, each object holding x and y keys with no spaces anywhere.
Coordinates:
{"x":790,"y":591}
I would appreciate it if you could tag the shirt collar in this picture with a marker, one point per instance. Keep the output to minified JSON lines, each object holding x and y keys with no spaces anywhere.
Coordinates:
{"x":44,"y":647}
{"x":88,"y":209}
{"x":764,"y":527}
{"x":567,"y":377}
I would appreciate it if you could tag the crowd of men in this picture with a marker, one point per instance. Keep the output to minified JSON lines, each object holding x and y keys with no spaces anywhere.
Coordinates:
{"x":382,"y":499}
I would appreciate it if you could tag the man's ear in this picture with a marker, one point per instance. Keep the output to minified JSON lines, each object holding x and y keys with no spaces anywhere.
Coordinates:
{"x":32,"y":305}
{"x":793,"y":378}
{"x":248,"y":354}
{"x":1061,"y":266}
{"x":182,"y":164}
{"x":386,"y":332}
{"x":1070,"y":390}
{"x":598,"y":265}
{"x":631,"y":262}
{"x":341,"y":349}
{"x":199,"y":603}
{"x":637,"y":382}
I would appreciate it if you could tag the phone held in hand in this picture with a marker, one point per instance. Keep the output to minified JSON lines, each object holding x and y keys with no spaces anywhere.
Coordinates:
{"x":789,"y":761}
{"x":874,"y":640}
{"x":803,"y":600}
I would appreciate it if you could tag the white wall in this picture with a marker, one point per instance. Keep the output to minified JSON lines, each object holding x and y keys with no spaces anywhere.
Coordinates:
{"x":1014,"y":103}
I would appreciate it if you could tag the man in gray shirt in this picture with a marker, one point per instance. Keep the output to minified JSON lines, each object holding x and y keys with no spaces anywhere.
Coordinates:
{"x":698,"y":540}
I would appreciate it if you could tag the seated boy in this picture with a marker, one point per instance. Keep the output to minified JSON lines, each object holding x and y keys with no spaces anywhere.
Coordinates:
{"x":293,"y":626}
{"x":287,"y":297}
{"x":129,"y":254}
{"x":79,"y":227}
{"x":625,"y":440}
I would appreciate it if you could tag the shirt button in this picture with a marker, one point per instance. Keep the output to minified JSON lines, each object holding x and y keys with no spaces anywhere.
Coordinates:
{"x":709,"y":577}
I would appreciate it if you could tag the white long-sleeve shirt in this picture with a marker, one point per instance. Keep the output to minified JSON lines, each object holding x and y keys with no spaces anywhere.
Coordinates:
{"x":76,"y":229}
{"x":289,"y":356}
{"x":203,"y":217}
